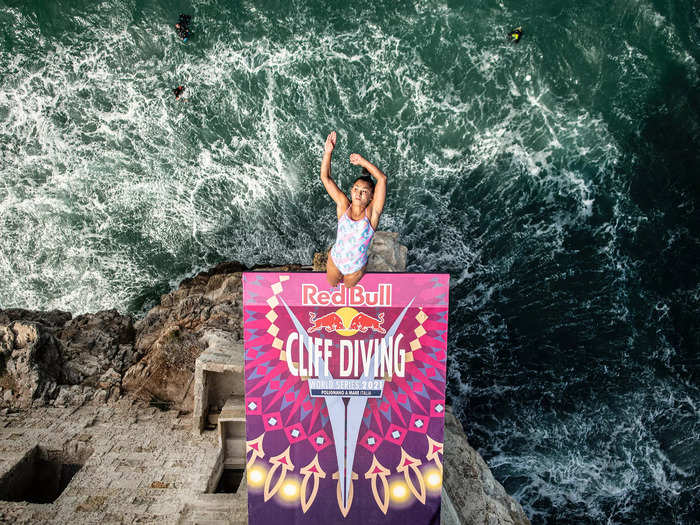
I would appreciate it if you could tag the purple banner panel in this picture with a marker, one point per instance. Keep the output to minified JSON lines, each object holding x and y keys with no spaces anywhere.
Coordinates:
{"x":345,"y":398}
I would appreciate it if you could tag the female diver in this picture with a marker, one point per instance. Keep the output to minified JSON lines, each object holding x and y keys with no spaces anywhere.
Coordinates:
{"x":357,"y":219}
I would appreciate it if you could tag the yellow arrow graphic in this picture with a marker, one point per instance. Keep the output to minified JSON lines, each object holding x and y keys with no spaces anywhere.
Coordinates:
{"x":378,"y":471}
{"x":283,"y":462}
{"x":434,"y":448}
{"x":314,"y":470}
{"x":256,"y":447}
{"x":410,"y":464}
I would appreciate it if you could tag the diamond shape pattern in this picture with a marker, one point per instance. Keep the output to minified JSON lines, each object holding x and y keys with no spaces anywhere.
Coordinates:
{"x":371,"y":441}
{"x":395,"y":434}
{"x":419,"y":423}
{"x":319,"y":440}
{"x":272,"y":421}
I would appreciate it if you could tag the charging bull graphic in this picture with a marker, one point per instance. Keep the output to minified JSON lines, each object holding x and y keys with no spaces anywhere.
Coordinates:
{"x":345,"y":412}
{"x":330,"y":322}
{"x":364,"y":322}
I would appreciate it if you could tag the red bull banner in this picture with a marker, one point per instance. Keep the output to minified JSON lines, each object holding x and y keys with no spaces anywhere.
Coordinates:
{"x":345,"y":398}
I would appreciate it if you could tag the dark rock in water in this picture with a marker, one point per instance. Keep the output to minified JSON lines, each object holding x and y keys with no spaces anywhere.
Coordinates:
{"x":50,"y":319}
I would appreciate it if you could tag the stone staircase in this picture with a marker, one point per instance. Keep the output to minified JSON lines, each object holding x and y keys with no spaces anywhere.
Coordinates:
{"x":213,"y":509}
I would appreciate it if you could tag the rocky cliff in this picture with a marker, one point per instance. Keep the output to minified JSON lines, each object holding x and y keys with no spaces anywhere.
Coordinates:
{"x":54,"y":359}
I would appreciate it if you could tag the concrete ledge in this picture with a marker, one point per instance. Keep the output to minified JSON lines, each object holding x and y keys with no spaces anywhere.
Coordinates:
{"x":222,"y":356}
{"x":231,"y":426}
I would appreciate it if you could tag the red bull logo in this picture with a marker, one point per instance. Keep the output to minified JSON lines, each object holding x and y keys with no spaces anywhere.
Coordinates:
{"x":330,"y":322}
{"x":363,"y":322}
{"x":346,"y":321}
{"x":355,"y":296}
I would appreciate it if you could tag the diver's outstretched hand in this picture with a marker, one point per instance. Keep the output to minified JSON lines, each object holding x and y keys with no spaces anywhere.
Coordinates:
{"x":357,"y":159}
{"x":330,"y":142}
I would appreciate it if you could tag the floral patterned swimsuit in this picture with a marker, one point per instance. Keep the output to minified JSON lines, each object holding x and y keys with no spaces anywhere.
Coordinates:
{"x":349,"y":252}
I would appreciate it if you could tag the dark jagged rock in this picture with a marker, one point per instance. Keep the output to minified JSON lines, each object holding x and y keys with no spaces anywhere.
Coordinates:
{"x":52,"y":357}
{"x":31,"y":363}
{"x":91,"y":344}
{"x":50,"y":319}
{"x":172,"y":335}
{"x":475,"y":494}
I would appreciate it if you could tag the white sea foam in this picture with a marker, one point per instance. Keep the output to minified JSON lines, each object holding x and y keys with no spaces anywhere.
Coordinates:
{"x":110,"y":188}
{"x":573,"y":462}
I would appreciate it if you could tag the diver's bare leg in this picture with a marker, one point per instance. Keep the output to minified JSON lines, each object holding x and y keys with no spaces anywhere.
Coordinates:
{"x":352,"y":279}
{"x":332,"y":273}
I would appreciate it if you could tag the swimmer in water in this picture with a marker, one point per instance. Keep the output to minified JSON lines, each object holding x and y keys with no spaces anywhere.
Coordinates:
{"x":358,"y":217}
{"x":515,"y":35}
{"x":178,"y":91}
{"x":183,"y":27}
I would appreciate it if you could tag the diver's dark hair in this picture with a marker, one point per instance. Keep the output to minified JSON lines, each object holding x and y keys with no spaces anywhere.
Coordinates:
{"x":365,"y":177}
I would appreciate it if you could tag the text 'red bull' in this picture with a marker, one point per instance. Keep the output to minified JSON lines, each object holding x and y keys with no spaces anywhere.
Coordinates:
{"x":355,"y":296}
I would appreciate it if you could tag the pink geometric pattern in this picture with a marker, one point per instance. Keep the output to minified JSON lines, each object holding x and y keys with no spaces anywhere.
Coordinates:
{"x":371,"y":441}
{"x":419,"y":423}
{"x":272,"y":421}
{"x":295,"y":433}
{"x":320,"y":440}
{"x":395,"y":434}
{"x":437,"y":408}
{"x":253,"y":405}
{"x":284,"y":419}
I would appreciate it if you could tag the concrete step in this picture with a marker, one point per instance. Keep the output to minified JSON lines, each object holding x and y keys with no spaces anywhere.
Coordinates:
{"x":205,"y":518}
{"x":232,"y":431}
{"x":216,"y":502}
{"x":211,"y":509}
{"x":234,"y":409}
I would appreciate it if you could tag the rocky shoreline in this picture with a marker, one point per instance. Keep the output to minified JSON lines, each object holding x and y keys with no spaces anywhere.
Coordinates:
{"x":53,"y":360}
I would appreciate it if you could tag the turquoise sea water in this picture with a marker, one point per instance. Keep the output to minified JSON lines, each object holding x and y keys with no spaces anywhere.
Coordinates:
{"x":557,"y":181}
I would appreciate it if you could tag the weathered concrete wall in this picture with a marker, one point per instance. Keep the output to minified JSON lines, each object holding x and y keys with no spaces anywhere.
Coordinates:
{"x":145,"y":465}
{"x":17,"y":479}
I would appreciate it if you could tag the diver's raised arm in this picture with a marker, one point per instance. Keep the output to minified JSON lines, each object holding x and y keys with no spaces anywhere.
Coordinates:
{"x":377,"y":203}
{"x":336,"y":194}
